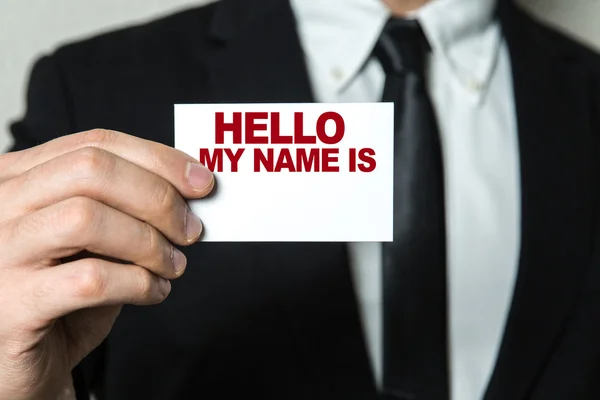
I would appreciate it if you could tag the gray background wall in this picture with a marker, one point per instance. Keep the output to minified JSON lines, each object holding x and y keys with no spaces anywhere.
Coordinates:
{"x":29,"y":28}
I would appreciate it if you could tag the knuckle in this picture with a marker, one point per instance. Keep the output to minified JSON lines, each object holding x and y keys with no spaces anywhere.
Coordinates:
{"x":89,"y":280}
{"x":166,"y":198}
{"x":91,"y":162}
{"x":154,"y":242}
{"x":77,"y":216}
{"x":145,"y":285}
{"x":99,"y":137}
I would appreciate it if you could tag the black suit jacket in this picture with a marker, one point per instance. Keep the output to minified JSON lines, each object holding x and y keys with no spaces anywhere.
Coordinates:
{"x":280,"y":321}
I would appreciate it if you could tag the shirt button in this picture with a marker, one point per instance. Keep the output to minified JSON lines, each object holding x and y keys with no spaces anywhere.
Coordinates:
{"x":474,"y":85}
{"x":337,"y":73}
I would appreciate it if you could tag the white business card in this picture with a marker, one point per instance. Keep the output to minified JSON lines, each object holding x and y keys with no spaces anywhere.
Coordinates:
{"x":309,"y":172}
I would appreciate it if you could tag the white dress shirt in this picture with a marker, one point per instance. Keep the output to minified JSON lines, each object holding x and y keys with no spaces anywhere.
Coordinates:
{"x":470,"y":83}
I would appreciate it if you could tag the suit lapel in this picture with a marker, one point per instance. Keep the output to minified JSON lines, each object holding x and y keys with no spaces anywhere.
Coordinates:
{"x":556,"y":154}
{"x":258,"y":59}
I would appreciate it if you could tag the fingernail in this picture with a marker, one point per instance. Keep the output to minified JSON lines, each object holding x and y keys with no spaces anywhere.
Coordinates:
{"x":164,"y":286}
{"x":199,"y":176}
{"x":179,"y":261}
{"x":193,"y":227}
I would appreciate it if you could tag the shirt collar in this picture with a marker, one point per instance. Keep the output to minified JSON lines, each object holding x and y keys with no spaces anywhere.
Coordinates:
{"x":466,"y":35}
{"x":462,"y":32}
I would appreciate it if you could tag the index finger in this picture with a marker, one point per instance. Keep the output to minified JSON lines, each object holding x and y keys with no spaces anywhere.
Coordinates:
{"x":191,"y":178}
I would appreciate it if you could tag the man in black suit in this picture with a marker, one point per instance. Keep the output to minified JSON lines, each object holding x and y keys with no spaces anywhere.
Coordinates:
{"x":271,"y":320}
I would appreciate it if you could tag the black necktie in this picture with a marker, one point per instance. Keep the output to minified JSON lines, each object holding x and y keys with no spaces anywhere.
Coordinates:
{"x":415,"y":360}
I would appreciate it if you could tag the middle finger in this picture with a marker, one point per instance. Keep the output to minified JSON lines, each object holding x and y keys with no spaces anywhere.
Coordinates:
{"x":79,"y":223}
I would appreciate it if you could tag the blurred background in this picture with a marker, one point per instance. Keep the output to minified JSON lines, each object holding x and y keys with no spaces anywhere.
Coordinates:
{"x":33,"y":27}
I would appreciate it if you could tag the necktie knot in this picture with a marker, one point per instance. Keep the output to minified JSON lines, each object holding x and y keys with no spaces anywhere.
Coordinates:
{"x":402,"y":47}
